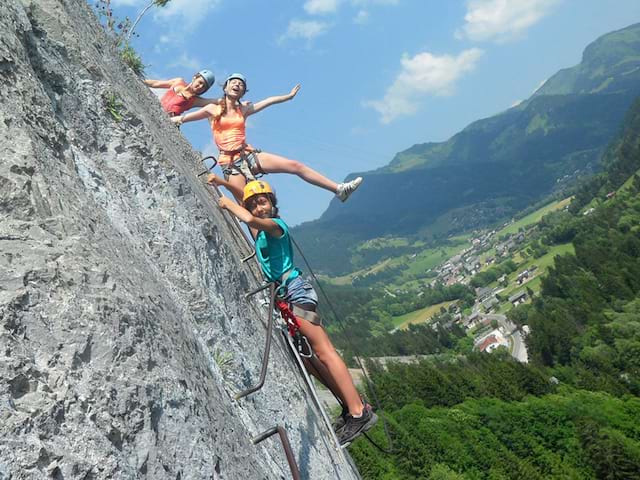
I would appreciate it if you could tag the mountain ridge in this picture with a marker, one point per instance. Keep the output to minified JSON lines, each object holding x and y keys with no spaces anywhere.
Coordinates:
{"x":492,"y":168}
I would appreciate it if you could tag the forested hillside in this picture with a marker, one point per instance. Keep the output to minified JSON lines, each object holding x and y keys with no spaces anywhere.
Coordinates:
{"x":574,"y":411}
{"x":493,"y":168}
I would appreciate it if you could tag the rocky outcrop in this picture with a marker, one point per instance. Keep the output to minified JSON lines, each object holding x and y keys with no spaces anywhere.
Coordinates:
{"x":124,"y":333}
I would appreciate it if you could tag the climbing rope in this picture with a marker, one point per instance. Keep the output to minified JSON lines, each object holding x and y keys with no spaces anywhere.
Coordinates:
{"x":370,"y":383}
{"x":293,"y":327}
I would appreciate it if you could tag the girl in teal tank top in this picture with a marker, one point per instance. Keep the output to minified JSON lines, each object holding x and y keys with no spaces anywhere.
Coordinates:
{"x":275,"y":254}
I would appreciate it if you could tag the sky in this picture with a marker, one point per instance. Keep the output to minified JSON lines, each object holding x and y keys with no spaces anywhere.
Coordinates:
{"x":376,"y":76}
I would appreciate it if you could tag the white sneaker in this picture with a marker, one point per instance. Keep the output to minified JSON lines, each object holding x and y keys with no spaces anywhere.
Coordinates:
{"x":347,"y":188}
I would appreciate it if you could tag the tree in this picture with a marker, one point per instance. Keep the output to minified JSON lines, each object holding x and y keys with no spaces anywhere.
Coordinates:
{"x":157,"y":3}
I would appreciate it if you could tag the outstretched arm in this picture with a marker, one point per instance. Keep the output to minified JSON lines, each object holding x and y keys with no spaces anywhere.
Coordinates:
{"x":236,"y":191}
{"x":203,"y":102}
{"x":162,"y":83}
{"x":267,"y":102}
{"x":205,"y":112}
{"x":245,"y":216}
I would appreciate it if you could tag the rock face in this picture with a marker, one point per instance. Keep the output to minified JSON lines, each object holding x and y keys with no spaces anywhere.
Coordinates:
{"x":124,"y":332}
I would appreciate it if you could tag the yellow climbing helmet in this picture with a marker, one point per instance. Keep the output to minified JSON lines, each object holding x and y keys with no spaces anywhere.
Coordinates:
{"x":255,"y":187}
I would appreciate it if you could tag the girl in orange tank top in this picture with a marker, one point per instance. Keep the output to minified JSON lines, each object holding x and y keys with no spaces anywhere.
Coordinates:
{"x":228,"y":119}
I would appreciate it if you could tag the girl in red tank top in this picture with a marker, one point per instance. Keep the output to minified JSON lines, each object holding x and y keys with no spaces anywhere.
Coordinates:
{"x":182,"y":96}
{"x":228,"y":119}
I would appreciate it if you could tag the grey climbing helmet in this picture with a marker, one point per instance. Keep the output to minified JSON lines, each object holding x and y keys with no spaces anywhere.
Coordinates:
{"x":238,"y":76}
{"x":208,"y":77}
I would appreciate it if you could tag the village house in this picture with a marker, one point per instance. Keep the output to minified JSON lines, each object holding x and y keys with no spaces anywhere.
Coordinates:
{"x":522,"y":276}
{"x":518,"y":298}
{"x":482,"y":293}
{"x":472,"y":320}
{"x":489,"y":303}
{"x":490,"y":342}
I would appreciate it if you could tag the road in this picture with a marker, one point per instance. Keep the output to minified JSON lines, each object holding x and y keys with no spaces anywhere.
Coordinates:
{"x":519,"y":350}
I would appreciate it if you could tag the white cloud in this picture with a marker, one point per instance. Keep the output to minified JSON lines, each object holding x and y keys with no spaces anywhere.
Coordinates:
{"x":374,"y":2}
{"x":361,"y":17}
{"x":306,"y":29}
{"x":321,"y":7}
{"x":192,"y":12}
{"x":502,"y":20}
{"x":185,"y":61}
{"x":421,"y":75}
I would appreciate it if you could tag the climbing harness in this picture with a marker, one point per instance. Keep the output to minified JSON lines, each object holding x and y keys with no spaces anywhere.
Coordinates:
{"x":246,"y":162}
{"x":295,"y":472}
{"x":298,"y":344}
{"x":293,"y":326}
{"x":390,"y":450}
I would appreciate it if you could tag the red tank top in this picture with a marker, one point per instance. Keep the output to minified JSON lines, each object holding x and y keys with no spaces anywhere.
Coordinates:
{"x":175,"y":104}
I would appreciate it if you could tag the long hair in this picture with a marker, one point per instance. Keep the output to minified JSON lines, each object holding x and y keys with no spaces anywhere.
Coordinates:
{"x":223,"y":102}
{"x":223,"y":107}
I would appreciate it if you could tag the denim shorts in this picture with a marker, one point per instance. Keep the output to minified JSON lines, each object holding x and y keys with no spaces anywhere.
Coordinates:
{"x":301,"y":292}
{"x":252,"y":161}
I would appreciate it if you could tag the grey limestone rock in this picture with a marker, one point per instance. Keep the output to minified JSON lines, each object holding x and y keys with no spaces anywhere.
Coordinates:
{"x":124,"y":333}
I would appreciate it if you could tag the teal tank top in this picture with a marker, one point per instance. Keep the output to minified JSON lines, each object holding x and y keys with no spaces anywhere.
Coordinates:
{"x":275,"y":254}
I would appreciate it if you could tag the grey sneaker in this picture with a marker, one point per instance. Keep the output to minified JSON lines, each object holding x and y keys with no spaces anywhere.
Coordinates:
{"x":338,"y":423}
{"x":347,"y":188}
{"x":354,"y":427}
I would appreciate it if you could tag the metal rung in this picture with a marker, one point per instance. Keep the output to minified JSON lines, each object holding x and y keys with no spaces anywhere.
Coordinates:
{"x":295,"y":473}
{"x":267,"y":346}
{"x":257,"y":290}
{"x":249,"y":257}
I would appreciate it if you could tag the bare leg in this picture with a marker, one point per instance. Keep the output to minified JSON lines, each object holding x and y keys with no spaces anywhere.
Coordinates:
{"x":238,"y":181}
{"x":271,"y":163}
{"x":316,"y":368}
{"x":335,"y":368}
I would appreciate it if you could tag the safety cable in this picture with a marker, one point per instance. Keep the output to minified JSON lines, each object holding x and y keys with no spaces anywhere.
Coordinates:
{"x":370,"y":383}
{"x":244,"y":393}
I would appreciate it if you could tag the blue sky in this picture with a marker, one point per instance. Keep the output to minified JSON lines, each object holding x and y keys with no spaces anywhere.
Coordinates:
{"x":377,"y":76}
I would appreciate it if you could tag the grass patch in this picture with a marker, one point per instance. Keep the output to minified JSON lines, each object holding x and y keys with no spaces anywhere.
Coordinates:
{"x":543,"y":263}
{"x":427,"y":259}
{"x":113,"y":105}
{"x":383,"y":242}
{"x":534,"y":217}
{"x":416,"y":317}
{"x":131,"y":58}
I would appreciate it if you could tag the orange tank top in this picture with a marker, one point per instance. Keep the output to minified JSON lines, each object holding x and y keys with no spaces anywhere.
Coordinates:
{"x":229,"y":135}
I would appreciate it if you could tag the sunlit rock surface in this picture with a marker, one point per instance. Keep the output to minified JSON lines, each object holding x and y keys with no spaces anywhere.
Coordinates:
{"x":124,"y":332}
